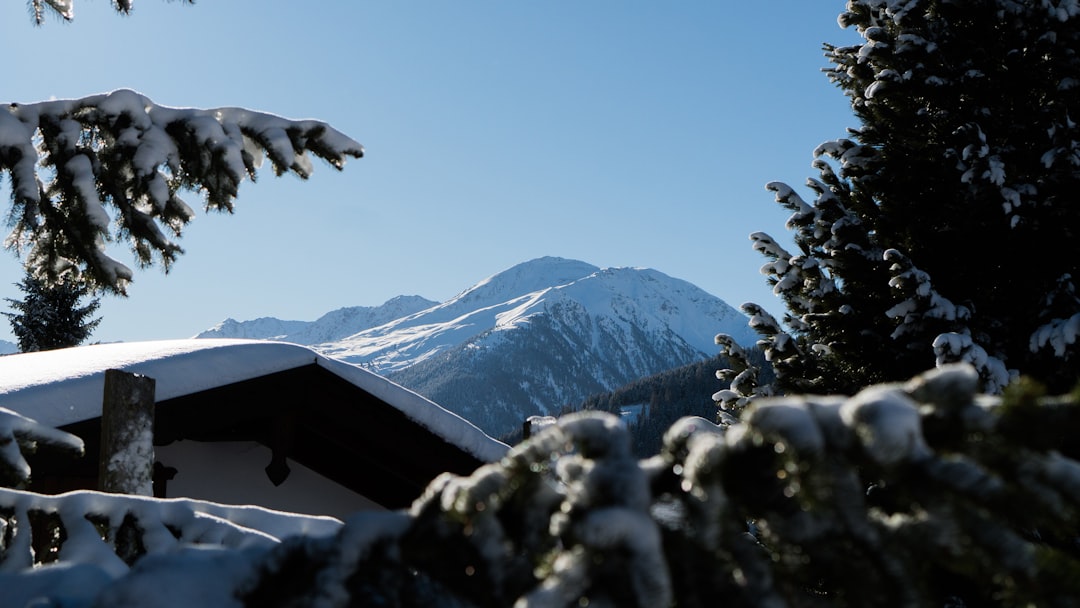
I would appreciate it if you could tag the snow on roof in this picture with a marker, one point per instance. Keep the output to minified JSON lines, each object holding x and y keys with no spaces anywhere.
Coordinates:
{"x":64,"y":386}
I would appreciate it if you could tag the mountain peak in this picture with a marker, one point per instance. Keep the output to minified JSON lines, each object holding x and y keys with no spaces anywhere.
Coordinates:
{"x":638,"y":300}
{"x":528,"y":277}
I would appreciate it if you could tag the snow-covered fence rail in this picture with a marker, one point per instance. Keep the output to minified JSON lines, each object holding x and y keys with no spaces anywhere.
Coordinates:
{"x":111,"y":531}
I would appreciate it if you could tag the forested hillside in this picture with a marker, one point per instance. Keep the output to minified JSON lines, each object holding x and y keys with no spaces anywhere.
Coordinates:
{"x":665,"y":397}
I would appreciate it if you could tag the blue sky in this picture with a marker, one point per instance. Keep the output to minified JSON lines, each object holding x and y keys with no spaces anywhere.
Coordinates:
{"x":617,"y":132}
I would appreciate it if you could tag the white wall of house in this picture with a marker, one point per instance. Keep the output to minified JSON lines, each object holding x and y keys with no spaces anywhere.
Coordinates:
{"x":233,"y":473}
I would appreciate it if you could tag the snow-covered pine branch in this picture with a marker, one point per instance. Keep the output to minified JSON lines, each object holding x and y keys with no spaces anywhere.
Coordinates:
{"x":784,"y":276}
{"x":796,"y":279}
{"x":1059,"y":334}
{"x":1060,"y":328}
{"x":21,"y":436}
{"x":919,"y":303}
{"x":794,"y":367}
{"x":107,"y":167}
{"x":65,"y":9}
{"x":921,"y":310}
{"x":742,"y":377}
{"x":956,"y":347}
{"x":60,"y":8}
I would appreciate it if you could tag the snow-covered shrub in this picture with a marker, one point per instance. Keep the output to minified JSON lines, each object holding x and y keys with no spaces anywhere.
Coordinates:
{"x":922,"y":493}
{"x":564,"y":516}
{"x":911,"y":494}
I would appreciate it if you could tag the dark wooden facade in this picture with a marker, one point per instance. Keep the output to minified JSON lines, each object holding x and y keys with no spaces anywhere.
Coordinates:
{"x":306,"y":414}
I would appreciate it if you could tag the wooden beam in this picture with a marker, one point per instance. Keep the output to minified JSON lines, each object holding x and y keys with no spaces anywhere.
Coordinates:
{"x":126,"y":461}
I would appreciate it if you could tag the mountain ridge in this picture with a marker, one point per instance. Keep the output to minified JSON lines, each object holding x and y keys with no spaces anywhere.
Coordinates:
{"x":334,"y":325}
{"x":531,"y":339}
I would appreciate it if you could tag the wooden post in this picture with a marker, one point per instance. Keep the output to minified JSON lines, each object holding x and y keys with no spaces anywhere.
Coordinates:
{"x":126,"y":463}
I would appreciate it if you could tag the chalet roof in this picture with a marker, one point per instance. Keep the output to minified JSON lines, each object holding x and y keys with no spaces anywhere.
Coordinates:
{"x":63,"y":387}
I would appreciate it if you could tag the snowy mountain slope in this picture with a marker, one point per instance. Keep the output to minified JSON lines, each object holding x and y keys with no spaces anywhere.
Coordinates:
{"x":556,"y":359}
{"x":624,"y":297}
{"x":551,"y":348}
{"x":334,"y":325}
{"x":405,"y":341}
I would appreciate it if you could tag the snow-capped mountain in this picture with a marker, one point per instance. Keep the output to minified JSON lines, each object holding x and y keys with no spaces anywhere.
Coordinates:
{"x":616,"y":300}
{"x":532,"y":339}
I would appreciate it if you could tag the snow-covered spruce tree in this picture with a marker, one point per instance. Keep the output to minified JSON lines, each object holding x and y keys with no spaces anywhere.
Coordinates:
{"x":111,"y":167}
{"x":51,"y":316}
{"x":929,"y":238}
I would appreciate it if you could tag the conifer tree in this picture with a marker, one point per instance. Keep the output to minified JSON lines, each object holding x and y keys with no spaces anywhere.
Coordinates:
{"x":930,"y":235}
{"x":52,"y":315}
{"x":111,"y":168}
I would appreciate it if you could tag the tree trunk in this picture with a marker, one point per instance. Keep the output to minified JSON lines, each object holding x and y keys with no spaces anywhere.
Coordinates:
{"x":126,"y":464}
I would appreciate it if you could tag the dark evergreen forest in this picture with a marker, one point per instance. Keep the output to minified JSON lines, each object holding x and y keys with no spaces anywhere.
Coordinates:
{"x":668,"y":396}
